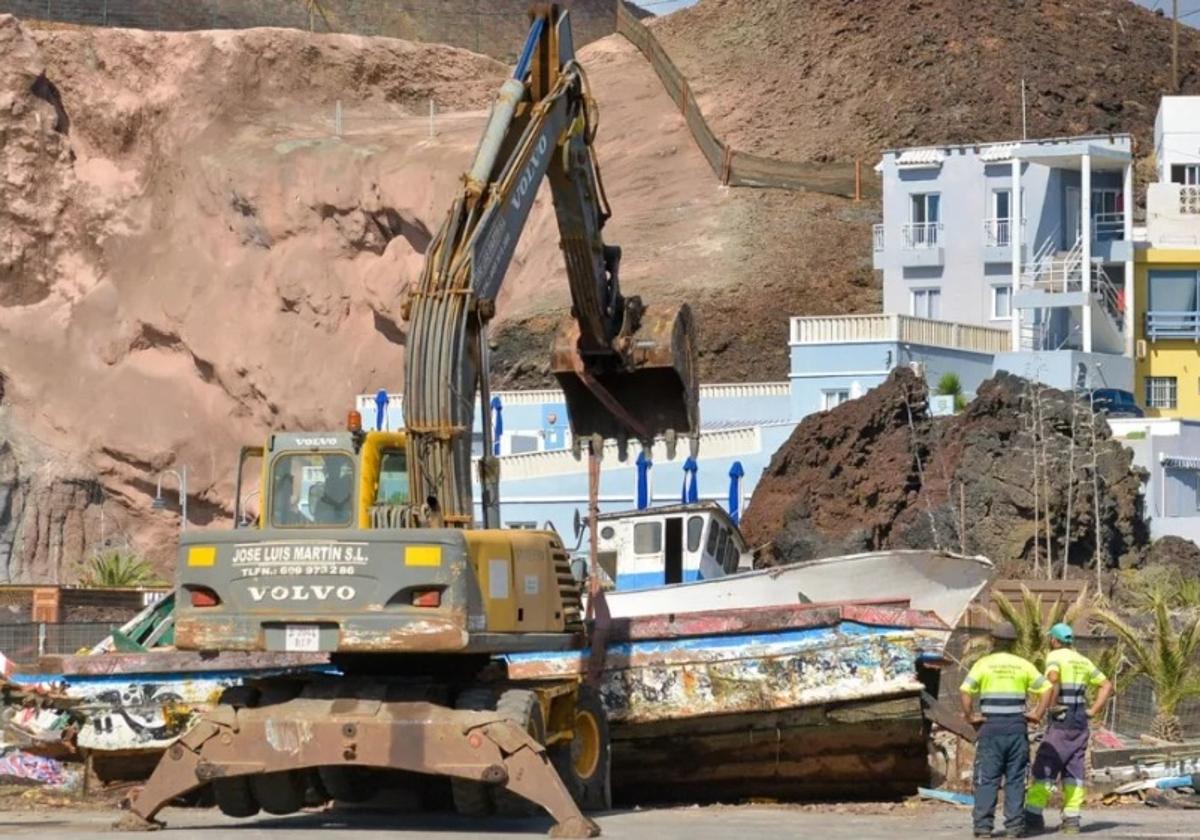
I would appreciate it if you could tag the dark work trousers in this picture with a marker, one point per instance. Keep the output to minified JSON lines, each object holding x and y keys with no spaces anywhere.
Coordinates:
{"x":1000,"y":755}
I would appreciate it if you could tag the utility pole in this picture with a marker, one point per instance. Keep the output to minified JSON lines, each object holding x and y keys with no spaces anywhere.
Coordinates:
{"x":1024,"y":124}
{"x":1174,"y":46}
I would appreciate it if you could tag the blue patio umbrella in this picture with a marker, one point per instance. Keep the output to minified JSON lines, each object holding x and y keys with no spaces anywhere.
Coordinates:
{"x":643,"y":480}
{"x":381,"y":404}
{"x":498,"y":428}
{"x":736,"y":471}
{"x":690,"y":492}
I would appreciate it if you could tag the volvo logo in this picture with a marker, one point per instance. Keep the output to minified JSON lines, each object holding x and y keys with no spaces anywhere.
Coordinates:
{"x":301,"y":593}
{"x":526,"y":180}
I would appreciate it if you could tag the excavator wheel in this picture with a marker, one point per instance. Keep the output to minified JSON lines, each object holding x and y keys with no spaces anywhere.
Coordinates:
{"x":522,"y":708}
{"x":284,"y":792}
{"x":473,"y":799}
{"x":234,"y":796}
{"x":585,"y":762}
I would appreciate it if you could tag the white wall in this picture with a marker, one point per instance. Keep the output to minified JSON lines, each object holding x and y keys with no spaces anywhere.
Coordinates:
{"x":1177,"y":133}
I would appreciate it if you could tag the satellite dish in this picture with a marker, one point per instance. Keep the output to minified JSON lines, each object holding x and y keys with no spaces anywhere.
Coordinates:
{"x":577,"y":524}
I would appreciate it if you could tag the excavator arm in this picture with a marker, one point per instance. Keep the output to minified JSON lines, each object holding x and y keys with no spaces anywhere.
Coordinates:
{"x":627,"y":370}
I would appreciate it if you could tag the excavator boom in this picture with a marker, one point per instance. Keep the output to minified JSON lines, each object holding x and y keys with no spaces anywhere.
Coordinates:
{"x":627,"y":370}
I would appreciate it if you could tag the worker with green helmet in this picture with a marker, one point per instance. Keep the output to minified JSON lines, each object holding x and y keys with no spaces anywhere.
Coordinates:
{"x":1002,"y":681}
{"x":1063,"y":752}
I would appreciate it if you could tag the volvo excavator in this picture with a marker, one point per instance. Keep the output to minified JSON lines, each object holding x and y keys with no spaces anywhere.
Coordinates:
{"x":366,"y":552}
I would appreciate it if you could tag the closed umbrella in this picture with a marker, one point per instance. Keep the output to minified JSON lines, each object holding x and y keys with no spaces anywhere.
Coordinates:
{"x":690,"y":492}
{"x":498,"y":428}
{"x":643,"y":480}
{"x":736,"y":471}
{"x":381,"y":404}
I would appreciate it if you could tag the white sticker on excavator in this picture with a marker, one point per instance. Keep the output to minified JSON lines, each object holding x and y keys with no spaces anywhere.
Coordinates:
{"x":498,"y":578}
{"x":531,"y":584}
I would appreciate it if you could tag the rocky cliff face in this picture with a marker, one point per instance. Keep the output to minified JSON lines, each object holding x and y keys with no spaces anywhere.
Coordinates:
{"x":879,"y":472}
{"x":189,"y":255}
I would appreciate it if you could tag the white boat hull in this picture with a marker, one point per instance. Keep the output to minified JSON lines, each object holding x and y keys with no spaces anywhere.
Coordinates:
{"x":942,"y":583}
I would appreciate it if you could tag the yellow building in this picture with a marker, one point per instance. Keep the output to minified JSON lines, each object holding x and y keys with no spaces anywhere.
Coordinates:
{"x":1166,"y":315}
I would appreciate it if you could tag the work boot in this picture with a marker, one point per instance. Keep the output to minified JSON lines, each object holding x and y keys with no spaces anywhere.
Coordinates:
{"x":1016,"y":832}
{"x":1070,"y":825}
{"x":1034,"y":823}
{"x":983,"y":832}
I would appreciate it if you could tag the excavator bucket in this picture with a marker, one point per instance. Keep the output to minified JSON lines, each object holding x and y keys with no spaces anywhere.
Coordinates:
{"x":646,"y":390}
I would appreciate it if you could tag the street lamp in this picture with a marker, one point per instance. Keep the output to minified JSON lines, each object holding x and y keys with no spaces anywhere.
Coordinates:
{"x":160,"y":503}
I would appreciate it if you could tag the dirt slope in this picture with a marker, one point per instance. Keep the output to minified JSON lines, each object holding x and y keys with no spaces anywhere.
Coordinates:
{"x":190,"y":257}
{"x":840,"y":79}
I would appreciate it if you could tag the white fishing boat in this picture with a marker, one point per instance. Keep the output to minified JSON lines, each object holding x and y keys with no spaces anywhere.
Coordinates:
{"x":692,"y":558}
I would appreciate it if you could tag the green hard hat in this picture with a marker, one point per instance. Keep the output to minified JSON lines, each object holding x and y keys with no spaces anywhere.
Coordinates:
{"x":1063,"y":633}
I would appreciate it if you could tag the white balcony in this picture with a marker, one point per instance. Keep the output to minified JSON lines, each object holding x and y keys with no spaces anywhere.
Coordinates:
{"x":905,"y":329}
{"x":918,"y":236}
{"x":1108,"y":227}
{"x":877,"y":233}
{"x":997,"y":233}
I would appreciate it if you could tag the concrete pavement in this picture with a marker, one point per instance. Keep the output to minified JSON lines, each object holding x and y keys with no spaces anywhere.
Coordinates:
{"x":708,"y":823}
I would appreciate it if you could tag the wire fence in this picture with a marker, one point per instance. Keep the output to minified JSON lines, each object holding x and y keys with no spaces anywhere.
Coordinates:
{"x":27,"y":642}
{"x":732,"y":167}
{"x":1131,"y":712}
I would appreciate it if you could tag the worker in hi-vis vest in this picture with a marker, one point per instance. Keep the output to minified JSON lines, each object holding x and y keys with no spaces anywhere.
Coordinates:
{"x":1064,"y":750}
{"x":1002,"y":681}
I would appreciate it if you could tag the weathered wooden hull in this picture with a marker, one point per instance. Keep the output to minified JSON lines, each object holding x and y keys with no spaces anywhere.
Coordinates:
{"x":791,"y":702}
{"x":142,"y":702}
{"x":854,"y":750}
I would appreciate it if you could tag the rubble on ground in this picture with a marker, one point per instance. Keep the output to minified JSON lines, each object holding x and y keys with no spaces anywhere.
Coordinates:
{"x":879,"y":472}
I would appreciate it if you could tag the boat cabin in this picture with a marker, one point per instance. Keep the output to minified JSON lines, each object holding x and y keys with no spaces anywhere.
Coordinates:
{"x":657,"y":546}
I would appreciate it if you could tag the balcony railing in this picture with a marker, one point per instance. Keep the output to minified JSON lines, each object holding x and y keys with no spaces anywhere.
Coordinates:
{"x":1108,"y":227}
{"x":877,"y":232}
{"x":907,"y":329}
{"x":919,"y":235}
{"x":1185,"y":325}
{"x":997,"y":233}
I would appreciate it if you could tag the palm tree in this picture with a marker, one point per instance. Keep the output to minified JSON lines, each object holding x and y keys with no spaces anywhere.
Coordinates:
{"x":1032,"y":629}
{"x":1168,"y":659}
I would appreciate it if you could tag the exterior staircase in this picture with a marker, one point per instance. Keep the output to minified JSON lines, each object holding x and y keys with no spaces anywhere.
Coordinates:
{"x":1056,"y":272}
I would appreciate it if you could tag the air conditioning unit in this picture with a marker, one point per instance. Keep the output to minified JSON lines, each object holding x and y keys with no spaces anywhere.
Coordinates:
{"x":1140,"y":348}
{"x":918,"y":368}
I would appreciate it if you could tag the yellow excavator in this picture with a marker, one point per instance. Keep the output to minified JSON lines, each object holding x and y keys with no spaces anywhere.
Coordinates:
{"x":367,"y":557}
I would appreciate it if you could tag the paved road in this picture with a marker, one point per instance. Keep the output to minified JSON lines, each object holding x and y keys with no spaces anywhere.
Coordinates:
{"x":716,"y":823}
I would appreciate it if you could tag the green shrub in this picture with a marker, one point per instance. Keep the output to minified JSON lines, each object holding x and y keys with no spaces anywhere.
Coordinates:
{"x":116,"y":569}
